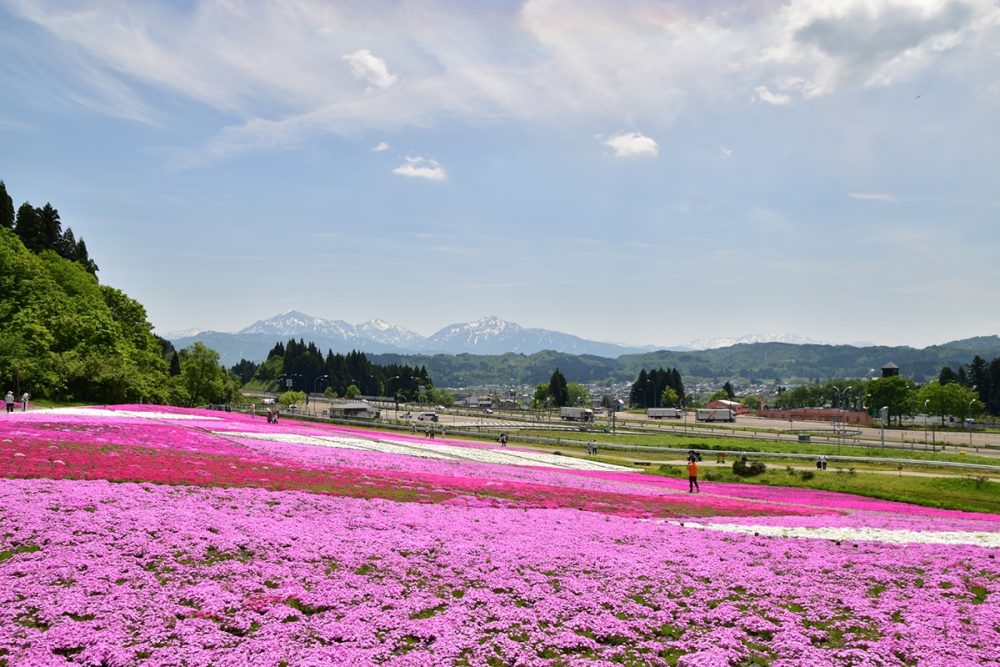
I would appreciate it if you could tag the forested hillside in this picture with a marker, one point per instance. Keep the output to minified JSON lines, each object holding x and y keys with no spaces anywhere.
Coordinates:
{"x":65,"y":337}
{"x":69,"y":338}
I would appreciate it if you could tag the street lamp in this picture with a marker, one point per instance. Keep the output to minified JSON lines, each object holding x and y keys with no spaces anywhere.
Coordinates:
{"x":395,"y":401}
{"x":969,"y":420}
{"x":841,"y":391}
{"x":316,"y":383}
{"x":926,"y":403}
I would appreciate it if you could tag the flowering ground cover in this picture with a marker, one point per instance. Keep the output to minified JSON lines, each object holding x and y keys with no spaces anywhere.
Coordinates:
{"x":158,"y":536}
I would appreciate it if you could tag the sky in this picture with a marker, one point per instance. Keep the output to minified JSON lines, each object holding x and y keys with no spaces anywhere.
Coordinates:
{"x":641,"y":172}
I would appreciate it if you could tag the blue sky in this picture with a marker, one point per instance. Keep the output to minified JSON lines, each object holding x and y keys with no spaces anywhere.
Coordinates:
{"x":637,"y":172}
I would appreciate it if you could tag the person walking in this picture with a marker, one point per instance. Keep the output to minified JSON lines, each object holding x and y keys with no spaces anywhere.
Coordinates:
{"x":693,"y":476}
{"x":24,"y":401}
{"x":9,"y":401}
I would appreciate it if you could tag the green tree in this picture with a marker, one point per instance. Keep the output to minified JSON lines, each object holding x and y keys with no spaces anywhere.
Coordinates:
{"x":720,"y":395}
{"x":895,"y":392}
{"x":728,"y":388}
{"x":577,"y":395}
{"x":352,"y":391}
{"x":6,"y":208}
{"x":175,"y":364}
{"x":290,"y":398}
{"x":557,"y":389}
{"x":28,"y":228}
{"x":947,"y":375}
{"x":542,"y":395}
{"x":203,"y":378}
{"x":669,"y":397}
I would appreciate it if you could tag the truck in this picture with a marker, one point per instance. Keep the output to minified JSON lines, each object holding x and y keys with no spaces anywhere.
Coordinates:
{"x":715,"y":415}
{"x":660,"y":413}
{"x":576,"y":414}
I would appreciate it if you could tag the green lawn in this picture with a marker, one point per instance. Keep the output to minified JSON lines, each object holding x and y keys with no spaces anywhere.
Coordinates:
{"x":972,"y":494}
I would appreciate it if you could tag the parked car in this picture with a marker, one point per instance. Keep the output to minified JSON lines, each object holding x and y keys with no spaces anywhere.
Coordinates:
{"x":427,"y":416}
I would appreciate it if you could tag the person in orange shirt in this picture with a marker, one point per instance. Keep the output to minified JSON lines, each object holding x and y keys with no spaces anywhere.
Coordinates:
{"x":693,"y":476}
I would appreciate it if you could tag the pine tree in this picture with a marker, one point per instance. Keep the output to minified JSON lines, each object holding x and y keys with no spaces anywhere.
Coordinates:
{"x":557,"y":389}
{"x":175,"y":365}
{"x":28,"y":228}
{"x":6,"y":208}
{"x":66,"y":247}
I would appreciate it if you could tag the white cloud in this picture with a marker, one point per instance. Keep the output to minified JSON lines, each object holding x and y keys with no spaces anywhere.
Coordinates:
{"x":726,"y":152}
{"x":874,"y":196}
{"x":380,"y":146}
{"x":277,"y":69}
{"x":632,"y":144}
{"x":765,"y":95}
{"x":418,"y":167}
{"x":369,"y":67}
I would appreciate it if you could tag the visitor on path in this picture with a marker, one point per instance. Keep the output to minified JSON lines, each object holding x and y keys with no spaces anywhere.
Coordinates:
{"x":503,"y":439}
{"x":819,"y":463}
{"x":823,"y":461}
{"x":693,"y":476}
{"x":253,"y":409}
{"x":270,"y":416}
{"x":720,"y":458}
{"x":9,"y":401}
{"x":24,"y":401}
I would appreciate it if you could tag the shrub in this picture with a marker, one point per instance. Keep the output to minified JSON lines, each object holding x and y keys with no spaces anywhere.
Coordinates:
{"x":808,"y":475}
{"x":748,"y":468}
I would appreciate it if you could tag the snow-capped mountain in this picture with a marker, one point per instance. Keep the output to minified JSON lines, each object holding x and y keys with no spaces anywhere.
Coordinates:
{"x":493,"y":335}
{"x":390,"y":335}
{"x":489,"y":335}
{"x":294,"y":323}
{"x":716,"y":343}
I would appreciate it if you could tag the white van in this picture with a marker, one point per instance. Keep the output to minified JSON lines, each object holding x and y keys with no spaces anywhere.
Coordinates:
{"x":427,"y":416}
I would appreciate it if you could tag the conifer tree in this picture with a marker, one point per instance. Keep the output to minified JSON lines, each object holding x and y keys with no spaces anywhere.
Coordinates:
{"x":6,"y":208}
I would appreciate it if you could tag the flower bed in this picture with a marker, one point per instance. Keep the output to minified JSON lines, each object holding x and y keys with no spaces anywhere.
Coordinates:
{"x":126,"y":540}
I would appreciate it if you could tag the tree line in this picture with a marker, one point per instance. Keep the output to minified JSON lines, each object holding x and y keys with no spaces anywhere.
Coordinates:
{"x":955,"y":394}
{"x":301,"y":366}
{"x":657,"y":388}
{"x":41,"y":229}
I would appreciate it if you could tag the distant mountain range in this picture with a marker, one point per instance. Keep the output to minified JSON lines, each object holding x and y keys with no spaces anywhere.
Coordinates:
{"x":488,"y":336}
{"x":492,"y":350}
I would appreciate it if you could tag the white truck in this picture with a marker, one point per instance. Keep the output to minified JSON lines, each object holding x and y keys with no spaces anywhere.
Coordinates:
{"x":576,"y":414}
{"x":715,"y":415}
{"x":664,"y":413}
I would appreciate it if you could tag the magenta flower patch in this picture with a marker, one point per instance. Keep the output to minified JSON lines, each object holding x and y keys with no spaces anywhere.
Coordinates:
{"x":128,"y":539}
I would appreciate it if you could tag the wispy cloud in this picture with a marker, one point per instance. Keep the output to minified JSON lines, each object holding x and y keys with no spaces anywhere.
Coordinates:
{"x":291,"y":69}
{"x":380,"y":146}
{"x":777,"y":99}
{"x":418,"y":167}
{"x":874,"y":196}
{"x":632,"y":144}
{"x":726,"y":153}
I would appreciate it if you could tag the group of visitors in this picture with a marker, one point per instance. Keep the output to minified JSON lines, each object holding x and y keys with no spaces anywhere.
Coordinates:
{"x":591,"y":448}
{"x":821,"y":462}
{"x":502,"y":439}
{"x":9,"y":401}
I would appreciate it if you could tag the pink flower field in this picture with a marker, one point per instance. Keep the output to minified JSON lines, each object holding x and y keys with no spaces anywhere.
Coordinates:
{"x":146,"y":535}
